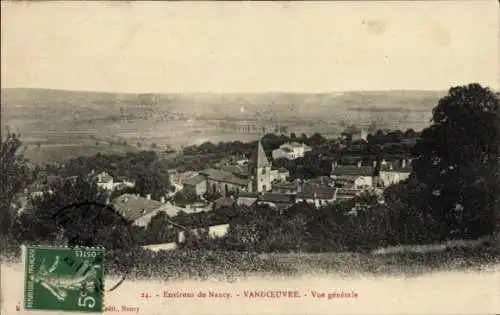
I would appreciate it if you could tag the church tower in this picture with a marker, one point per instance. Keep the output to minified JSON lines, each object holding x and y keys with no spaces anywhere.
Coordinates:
{"x":260,"y":169}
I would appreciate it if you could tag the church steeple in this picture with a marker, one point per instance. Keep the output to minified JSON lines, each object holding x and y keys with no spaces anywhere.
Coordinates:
{"x":260,"y":169}
{"x":259,"y":158}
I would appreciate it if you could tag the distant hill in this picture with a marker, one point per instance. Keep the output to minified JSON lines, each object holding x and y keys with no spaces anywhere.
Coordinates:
{"x":223,"y":105}
{"x":56,"y":117}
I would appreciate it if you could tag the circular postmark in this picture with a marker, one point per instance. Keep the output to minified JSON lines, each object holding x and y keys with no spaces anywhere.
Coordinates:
{"x":96,"y":224}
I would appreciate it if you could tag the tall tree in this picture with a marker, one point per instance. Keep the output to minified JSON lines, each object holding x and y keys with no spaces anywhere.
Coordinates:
{"x":457,"y":160}
{"x":15,"y":177}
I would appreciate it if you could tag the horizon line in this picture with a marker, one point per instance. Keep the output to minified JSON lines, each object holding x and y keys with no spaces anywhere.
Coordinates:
{"x":236,"y":93}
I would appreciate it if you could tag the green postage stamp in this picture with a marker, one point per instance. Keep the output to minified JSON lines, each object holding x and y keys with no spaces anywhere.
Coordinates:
{"x":63,"y":278}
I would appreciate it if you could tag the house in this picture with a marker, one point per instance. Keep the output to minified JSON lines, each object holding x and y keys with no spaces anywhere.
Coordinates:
{"x":196,"y":185}
{"x":224,"y":182}
{"x":103,"y":180}
{"x":279,"y":175}
{"x":275,"y":200}
{"x":359,"y":135}
{"x":291,"y":151}
{"x":214,"y":231}
{"x":180,"y":178}
{"x":322,"y":180}
{"x":344,"y":194}
{"x":167,"y":208}
{"x":43,"y":185}
{"x":247,"y":199}
{"x":133,"y":207}
{"x":224,"y":202}
{"x":392,"y":174}
{"x":239,"y":170}
{"x":355,"y":177}
{"x":160,"y":247}
{"x":317,"y":195}
{"x":286,"y":187}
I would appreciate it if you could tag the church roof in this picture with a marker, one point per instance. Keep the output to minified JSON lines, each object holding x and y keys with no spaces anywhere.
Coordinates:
{"x":259,"y":158}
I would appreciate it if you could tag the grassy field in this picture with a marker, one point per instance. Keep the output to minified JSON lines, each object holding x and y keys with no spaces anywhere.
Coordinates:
{"x":454,"y":280}
{"x":222,"y":265}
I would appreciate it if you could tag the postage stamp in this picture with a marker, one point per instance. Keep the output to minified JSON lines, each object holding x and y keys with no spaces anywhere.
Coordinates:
{"x":63,"y":278}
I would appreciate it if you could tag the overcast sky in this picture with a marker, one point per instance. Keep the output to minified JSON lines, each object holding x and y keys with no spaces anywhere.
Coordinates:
{"x":249,"y":47}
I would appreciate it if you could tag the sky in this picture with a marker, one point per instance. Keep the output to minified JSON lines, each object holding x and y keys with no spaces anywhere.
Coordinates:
{"x":249,"y":47}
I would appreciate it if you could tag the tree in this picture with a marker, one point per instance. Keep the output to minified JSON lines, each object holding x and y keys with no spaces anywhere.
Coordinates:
{"x":410,"y":133}
{"x":316,"y":139}
{"x":158,"y":230}
{"x":457,"y":161}
{"x":75,"y":212}
{"x":15,"y":177}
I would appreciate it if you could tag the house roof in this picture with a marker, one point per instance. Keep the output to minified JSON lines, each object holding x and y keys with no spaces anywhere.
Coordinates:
{"x":224,"y":202}
{"x":292,"y":185}
{"x":225,"y":177}
{"x":395,"y":169}
{"x":353,"y":170}
{"x":347,"y":192}
{"x":346,"y":178}
{"x":259,"y":158}
{"x":277,"y":198}
{"x":133,"y":207}
{"x":317,"y":191}
{"x":195,"y":180}
{"x":241,"y":170}
{"x":247,"y":194}
{"x":293,"y":144}
{"x":322,"y":180}
{"x":246,"y":200}
{"x":103,"y":177}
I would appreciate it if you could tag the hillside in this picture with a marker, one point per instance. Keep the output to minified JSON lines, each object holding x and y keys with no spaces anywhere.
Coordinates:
{"x":108,"y":122}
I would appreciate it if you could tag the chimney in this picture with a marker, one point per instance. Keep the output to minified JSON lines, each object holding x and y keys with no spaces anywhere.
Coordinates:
{"x":148,"y":196}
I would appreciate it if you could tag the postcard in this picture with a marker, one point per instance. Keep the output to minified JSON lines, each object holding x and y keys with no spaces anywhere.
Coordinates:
{"x":250,"y":157}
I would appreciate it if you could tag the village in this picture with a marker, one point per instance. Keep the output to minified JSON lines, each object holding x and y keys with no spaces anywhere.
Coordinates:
{"x":237,"y":181}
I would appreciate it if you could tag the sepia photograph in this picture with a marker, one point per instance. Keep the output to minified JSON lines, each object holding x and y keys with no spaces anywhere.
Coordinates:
{"x":202,"y":157}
